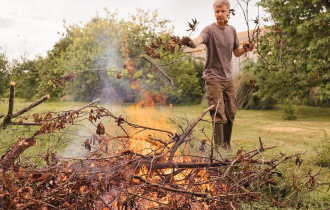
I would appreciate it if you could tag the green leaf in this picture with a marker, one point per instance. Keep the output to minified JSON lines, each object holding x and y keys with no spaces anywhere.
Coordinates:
{"x":137,"y":74}
{"x":150,"y":76}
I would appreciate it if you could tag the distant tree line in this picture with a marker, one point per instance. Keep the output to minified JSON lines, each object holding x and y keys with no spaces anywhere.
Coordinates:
{"x":105,"y":56}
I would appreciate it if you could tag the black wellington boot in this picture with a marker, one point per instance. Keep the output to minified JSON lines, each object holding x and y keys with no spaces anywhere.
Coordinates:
{"x":227,"y":130}
{"x":218,"y":135}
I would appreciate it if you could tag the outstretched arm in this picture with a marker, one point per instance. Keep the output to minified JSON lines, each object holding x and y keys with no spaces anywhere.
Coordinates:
{"x":195,"y":42}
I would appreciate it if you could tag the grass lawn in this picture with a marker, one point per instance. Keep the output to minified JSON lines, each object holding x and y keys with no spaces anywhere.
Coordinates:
{"x":307,"y":134}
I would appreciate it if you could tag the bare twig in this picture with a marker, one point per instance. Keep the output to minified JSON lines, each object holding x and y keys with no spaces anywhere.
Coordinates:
{"x":158,"y":70}
{"x":188,"y":132}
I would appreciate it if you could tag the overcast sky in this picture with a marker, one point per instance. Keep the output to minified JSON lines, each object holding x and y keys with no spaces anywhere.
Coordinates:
{"x":30,"y":27}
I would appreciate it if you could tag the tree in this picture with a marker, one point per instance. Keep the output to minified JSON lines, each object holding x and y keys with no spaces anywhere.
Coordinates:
{"x":26,"y":76}
{"x":48,"y":66}
{"x":4,"y":74}
{"x":107,"y":47}
{"x":294,"y":53}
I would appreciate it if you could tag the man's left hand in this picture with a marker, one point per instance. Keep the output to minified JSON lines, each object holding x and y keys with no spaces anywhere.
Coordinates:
{"x":248,"y":46}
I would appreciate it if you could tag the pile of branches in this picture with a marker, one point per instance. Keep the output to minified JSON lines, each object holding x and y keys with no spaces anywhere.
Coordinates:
{"x":115,"y":175}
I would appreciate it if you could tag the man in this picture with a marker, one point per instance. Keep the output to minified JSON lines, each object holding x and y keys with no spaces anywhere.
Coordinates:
{"x":221,"y":42}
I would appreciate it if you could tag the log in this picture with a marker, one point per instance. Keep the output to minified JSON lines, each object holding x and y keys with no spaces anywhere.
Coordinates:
{"x":8,"y":117}
{"x":8,"y":159}
{"x":189,"y":130}
{"x":34,"y":104}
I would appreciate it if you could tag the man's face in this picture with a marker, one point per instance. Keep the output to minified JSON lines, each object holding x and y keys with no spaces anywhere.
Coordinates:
{"x":221,"y":14}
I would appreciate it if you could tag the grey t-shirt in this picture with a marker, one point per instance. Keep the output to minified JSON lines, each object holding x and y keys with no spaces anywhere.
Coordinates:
{"x":220,"y":43}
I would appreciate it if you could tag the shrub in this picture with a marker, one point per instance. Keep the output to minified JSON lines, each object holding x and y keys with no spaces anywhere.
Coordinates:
{"x":323,"y":158}
{"x":247,"y":97}
{"x":289,"y":112}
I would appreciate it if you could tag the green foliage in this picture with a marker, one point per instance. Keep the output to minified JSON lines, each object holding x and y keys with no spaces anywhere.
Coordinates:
{"x":294,"y":61}
{"x":104,"y":48}
{"x":187,"y":74}
{"x":26,"y":76}
{"x":288,"y":189}
{"x":289,"y":112}
{"x":323,"y":157}
{"x":48,"y":67}
{"x":247,"y":97}
{"x":100,"y":51}
{"x":4,"y":74}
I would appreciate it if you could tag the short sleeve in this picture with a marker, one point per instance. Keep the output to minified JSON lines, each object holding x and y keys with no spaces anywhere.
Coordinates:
{"x":236,"y":42}
{"x":205,"y":35}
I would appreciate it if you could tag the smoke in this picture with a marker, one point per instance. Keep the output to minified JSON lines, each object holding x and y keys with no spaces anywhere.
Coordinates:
{"x":110,"y":60}
{"x":108,"y":64}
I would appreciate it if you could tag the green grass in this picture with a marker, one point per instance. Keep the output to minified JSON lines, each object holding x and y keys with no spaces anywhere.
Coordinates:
{"x":307,"y":134}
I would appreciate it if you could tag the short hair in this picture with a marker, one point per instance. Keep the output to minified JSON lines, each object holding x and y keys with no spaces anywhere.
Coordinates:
{"x":218,"y":3}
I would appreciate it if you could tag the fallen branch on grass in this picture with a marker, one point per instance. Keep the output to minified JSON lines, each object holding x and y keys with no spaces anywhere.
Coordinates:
{"x":8,"y":118}
{"x":47,"y":126}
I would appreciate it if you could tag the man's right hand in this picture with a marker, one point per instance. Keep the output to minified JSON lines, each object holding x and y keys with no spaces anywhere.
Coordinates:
{"x":189,"y":42}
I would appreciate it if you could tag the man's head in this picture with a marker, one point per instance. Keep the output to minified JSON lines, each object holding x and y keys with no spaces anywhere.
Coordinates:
{"x":218,"y":3}
{"x":221,"y":12}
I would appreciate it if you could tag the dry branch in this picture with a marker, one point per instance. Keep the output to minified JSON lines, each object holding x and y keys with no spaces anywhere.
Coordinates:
{"x":127,"y":178}
{"x":8,"y":159}
{"x":158,"y":69}
{"x":34,"y":104}
{"x":196,"y":165}
{"x":170,"y":189}
{"x":8,"y":117}
{"x":188,"y":132}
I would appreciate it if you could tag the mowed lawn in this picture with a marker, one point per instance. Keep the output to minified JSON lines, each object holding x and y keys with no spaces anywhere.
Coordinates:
{"x":306,"y":134}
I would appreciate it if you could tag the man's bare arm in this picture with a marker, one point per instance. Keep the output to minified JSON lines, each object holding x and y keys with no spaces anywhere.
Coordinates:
{"x":195,"y":42}
{"x":241,"y":51}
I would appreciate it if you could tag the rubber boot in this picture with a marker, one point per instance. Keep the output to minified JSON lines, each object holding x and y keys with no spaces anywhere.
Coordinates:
{"x":227,"y":130}
{"x":218,"y":135}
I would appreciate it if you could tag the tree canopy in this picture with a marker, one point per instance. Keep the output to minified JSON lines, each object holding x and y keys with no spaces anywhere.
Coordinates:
{"x":294,"y":53}
{"x":4,"y":73}
{"x":105,"y":55}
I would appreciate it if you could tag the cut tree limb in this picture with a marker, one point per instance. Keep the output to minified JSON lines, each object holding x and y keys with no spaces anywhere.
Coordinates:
{"x":8,"y":117}
{"x":34,"y":104}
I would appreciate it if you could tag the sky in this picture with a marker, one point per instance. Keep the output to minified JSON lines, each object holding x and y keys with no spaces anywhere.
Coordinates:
{"x":30,"y":28}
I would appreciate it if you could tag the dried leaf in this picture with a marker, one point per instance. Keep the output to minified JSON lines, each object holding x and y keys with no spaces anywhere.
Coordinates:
{"x":100,"y":130}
